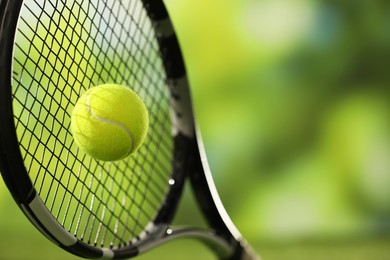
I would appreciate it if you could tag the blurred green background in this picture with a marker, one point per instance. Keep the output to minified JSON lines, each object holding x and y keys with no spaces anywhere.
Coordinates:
{"x":292,"y":97}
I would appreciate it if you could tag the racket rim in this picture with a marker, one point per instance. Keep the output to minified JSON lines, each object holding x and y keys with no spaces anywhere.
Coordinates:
{"x":12,"y":158}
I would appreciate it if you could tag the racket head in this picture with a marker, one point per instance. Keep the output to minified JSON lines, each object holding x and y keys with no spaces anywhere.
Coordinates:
{"x":51,"y":53}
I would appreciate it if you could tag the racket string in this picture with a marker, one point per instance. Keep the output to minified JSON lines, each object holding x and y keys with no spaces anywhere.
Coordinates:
{"x":63,"y":48}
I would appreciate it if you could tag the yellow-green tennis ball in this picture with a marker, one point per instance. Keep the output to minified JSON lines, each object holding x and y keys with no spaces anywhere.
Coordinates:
{"x":109,"y":122}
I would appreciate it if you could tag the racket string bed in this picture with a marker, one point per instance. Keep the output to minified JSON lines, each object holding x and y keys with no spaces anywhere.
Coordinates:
{"x":64,"y":49}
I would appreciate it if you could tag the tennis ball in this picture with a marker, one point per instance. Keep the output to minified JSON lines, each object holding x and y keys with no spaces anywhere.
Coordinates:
{"x":109,"y":122}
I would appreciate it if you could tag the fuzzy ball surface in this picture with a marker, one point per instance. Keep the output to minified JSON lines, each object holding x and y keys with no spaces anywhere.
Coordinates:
{"x":109,"y":122}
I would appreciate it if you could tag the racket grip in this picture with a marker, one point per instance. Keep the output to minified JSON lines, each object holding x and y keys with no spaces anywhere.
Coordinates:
{"x":248,"y":253}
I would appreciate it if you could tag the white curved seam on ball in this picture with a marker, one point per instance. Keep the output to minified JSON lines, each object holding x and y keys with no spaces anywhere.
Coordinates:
{"x":110,"y":122}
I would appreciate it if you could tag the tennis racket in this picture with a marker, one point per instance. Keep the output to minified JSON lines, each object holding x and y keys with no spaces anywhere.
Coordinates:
{"x":51,"y":52}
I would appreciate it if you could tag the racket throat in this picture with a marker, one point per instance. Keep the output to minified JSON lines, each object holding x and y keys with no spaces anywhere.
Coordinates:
{"x":155,"y":235}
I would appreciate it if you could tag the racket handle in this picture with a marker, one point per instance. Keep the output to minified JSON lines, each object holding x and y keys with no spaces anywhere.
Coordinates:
{"x":248,"y":253}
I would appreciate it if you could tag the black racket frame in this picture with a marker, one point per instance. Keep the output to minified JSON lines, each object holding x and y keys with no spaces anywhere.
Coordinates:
{"x":188,"y":153}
